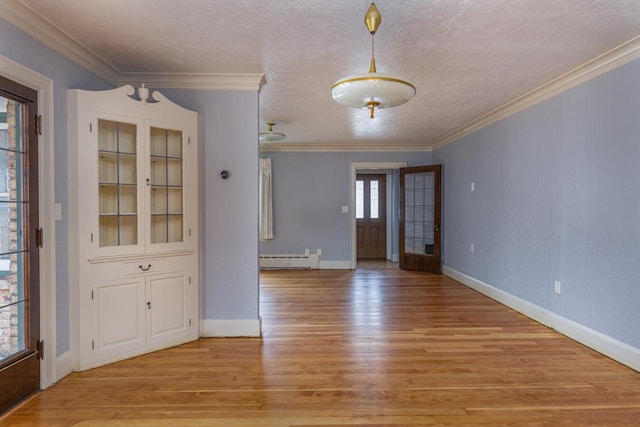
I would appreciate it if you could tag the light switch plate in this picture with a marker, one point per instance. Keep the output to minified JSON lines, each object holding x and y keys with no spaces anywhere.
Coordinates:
{"x":345,"y":209}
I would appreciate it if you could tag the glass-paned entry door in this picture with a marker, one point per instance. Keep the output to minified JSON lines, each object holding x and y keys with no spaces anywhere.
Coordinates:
{"x":19,"y":286}
{"x":371,"y":216}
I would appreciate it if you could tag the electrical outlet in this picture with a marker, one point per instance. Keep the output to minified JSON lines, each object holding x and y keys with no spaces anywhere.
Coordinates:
{"x":471,"y":248}
{"x":473,"y":186}
{"x":556,"y":287}
{"x":319,"y":252}
{"x":306,"y":251}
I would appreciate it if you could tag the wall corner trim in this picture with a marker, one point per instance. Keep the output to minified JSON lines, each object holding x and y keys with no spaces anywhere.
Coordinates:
{"x":222,"y":328}
{"x":608,"y":61}
{"x":25,"y":19}
{"x":610,"y":347}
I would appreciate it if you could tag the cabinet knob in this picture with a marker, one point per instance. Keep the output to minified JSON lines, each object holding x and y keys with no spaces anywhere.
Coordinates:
{"x":142,"y":267}
{"x":149,"y":305}
{"x":148,"y":182}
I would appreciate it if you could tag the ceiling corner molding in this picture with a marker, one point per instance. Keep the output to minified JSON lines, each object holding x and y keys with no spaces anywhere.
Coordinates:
{"x":320,"y":147}
{"x":199,"y":81}
{"x":604,"y":63}
{"x":25,"y":19}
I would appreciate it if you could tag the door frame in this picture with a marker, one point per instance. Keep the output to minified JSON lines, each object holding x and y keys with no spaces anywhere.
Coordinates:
{"x":46,"y":187}
{"x":355,"y":167}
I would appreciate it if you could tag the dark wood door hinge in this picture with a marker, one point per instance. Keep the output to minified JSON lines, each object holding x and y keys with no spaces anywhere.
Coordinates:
{"x":38,"y":124}
{"x":40,"y":349}
{"x":39,"y":237}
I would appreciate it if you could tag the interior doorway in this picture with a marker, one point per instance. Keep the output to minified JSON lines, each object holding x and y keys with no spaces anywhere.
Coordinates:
{"x":388,"y":169}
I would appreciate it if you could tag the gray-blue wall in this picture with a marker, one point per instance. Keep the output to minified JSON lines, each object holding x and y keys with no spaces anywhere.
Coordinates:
{"x":22,"y":48}
{"x":557,"y":197}
{"x":228,"y":122}
{"x":309,"y":189}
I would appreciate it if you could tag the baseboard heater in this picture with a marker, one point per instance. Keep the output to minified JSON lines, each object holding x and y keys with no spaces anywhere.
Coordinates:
{"x":289,"y":261}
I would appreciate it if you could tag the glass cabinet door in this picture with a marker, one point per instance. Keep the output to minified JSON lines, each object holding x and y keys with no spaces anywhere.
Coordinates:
{"x":166,"y":186}
{"x":117,"y":186}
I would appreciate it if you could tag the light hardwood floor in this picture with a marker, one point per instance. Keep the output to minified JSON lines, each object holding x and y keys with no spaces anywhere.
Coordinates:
{"x":370,"y":347}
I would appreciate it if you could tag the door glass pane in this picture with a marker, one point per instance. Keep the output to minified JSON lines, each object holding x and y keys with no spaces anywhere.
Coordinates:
{"x":359,"y":199}
{"x":166,"y":186}
{"x":117,"y":186}
{"x":419,"y":213}
{"x":13,"y":216}
{"x":373,"y":192}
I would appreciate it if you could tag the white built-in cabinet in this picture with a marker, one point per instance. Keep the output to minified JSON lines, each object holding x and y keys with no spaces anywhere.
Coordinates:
{"x":133,"y":224}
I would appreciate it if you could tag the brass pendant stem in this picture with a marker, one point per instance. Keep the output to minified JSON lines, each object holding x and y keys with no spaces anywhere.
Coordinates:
{"x":372,"y":67}
{"x":372,"y":105}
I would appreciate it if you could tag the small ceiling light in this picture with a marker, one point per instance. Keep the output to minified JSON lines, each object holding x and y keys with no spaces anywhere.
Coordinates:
{"x":372,"y":90}
{"x":270,"y":135}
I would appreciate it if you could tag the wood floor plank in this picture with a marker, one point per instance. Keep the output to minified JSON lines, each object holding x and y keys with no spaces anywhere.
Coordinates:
{"x":370,"y":347}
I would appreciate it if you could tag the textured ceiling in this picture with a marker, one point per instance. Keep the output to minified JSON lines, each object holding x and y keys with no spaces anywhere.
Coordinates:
{"x":465,"y":57}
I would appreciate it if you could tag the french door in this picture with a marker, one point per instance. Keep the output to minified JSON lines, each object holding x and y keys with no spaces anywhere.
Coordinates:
{"x":420,"y":235}
{"x":371,"y":216}
{"x":19,"y":235}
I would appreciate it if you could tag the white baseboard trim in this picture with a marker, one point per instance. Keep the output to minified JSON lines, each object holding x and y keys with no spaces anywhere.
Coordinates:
{"x":231,"y":328}
{"x":64,"y":365}
{"x":335,"y":265}
{"x":610,"y":347}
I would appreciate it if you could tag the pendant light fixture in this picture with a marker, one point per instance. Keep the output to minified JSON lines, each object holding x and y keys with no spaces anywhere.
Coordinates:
{"x":270,"y":135}
{"x":372,"y":90}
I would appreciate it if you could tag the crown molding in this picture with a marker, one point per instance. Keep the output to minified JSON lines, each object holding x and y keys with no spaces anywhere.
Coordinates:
{"x":25,"y":19}
{"x":202,"y":81}
{"x":602,"y":64}
{"x":319,"y":147}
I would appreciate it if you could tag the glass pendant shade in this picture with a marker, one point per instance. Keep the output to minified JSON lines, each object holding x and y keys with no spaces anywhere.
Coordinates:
{"x":360,"y":90}
{"x":270,"y":135}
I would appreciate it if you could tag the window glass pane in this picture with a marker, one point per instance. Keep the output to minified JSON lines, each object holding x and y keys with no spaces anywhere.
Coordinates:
{"x":13,"y":216}
{"x":359,"y":199}
{"x":12,"y":322}
{"x":374,"y":199}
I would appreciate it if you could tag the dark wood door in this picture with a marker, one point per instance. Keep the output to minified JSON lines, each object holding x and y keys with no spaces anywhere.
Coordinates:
{"x":420,"y":236}
{"x":371,"y":216}
{"x":19,"y":265}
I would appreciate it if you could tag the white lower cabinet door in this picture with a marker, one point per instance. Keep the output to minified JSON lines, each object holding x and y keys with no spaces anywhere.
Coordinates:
{"x":120,"y":313}
{"x":168,"y":322}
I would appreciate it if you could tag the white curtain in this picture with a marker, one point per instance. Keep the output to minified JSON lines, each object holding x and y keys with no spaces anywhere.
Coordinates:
{"x":266,"y":207}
